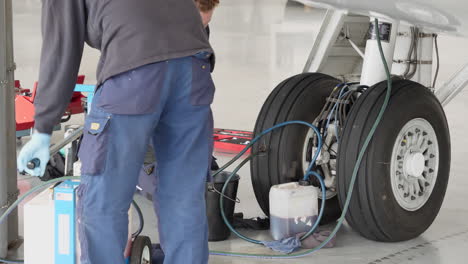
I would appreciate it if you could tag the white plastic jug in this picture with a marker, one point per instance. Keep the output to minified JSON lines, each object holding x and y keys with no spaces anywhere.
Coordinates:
{"x":293,"y":209}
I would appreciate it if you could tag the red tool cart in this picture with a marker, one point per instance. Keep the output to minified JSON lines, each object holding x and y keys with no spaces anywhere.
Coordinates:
{"x":24,"y":104}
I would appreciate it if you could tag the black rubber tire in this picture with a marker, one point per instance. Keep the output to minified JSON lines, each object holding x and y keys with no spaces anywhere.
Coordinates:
{"x":300,"y":97}
{"x":139,"y":244}
{"x":373,"y":211}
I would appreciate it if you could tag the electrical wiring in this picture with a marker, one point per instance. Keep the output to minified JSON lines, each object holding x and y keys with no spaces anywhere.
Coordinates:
{"x":436,"y":44}
{"x":414,"y":59}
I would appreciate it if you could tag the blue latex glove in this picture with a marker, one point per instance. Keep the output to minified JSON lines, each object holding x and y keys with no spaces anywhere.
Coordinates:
{"x":37,"y":147}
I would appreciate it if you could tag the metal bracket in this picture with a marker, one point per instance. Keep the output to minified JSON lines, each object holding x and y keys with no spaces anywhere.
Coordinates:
{"x":334,"y":100}
{"x":421,"y":62}
{"x":329,"y":31}
{"x":421,"y":35}
{"x":12,"y":68}
{"x":427,"y":35}
{"x":4,"y":83}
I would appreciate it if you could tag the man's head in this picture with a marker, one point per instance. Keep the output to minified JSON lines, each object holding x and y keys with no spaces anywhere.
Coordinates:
{"x":206,"y":8}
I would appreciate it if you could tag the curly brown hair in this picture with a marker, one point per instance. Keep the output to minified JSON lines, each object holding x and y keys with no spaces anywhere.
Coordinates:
{"x":207,"y":5}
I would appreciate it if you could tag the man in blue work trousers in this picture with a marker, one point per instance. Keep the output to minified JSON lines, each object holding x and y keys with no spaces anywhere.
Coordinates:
{"x":154,"y":83}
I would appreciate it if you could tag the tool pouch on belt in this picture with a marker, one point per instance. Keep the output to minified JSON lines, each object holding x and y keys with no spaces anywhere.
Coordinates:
{"x":93,"y":149}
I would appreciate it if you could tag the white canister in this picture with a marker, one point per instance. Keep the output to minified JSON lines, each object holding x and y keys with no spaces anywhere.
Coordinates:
{"x":293,"y":209}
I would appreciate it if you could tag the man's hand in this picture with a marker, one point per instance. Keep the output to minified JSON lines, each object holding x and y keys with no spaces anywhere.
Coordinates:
{"x":36,"y":148}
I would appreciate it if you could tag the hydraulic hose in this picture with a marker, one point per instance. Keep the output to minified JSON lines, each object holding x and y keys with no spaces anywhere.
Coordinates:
{"x":306,"y":176}
{"x":140,"y":218}
{"x":288,"y":123}
{"x":11,"y":261}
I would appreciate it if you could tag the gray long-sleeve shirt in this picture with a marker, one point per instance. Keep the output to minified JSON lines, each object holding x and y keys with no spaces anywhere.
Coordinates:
{"x":129,"y":34}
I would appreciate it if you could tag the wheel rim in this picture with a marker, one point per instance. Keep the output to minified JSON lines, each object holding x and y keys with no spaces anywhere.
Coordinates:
{"x":414,"y":164}
{"x":146,"y":256}
{"x":307,"y":154}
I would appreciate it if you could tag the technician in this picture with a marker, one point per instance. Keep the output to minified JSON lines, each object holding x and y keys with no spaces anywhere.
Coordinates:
{"x":154,"y":83}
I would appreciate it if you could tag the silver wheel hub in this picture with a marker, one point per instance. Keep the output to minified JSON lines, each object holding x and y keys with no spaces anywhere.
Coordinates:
{"x":414,"y":164}
{"x":324,"y":159}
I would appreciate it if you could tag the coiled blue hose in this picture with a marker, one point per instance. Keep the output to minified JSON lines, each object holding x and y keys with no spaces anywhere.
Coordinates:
{"x":288,"y":123}
{"x":307,"y":175}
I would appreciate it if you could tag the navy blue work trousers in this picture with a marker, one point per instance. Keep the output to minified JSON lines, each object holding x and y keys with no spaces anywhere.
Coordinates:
{"x":167,"y":103}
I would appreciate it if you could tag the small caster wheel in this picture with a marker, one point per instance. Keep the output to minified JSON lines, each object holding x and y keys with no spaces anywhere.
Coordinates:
{"x":142,"y":251}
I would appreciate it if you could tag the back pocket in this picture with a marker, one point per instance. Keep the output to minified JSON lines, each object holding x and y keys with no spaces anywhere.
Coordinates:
{"x":93,"y":149}
{"x":203,"y":88}
{"x":135,"y":92}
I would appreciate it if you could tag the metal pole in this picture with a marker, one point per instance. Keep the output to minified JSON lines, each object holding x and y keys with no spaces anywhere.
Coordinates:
{"x":8,"y":184}
{"x":13,"y":191}
{"x":453,"y":86}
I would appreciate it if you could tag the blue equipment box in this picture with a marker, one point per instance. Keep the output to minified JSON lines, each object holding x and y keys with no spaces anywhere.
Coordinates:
{"x":65,"y":227}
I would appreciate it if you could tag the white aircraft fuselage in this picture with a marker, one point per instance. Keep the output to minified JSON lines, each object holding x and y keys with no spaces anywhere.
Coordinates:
{"x":442,"y":16}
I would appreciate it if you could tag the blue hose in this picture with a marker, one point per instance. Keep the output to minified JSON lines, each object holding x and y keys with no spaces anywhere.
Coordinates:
{"x":312,"y":163}
{"x":333,"y":111}
{"x":306,"y":178}
{"x":11,"y":261}
{"x":254,"y":241}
